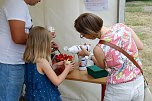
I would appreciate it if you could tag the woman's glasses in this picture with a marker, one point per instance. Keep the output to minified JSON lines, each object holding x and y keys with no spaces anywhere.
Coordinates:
{"x":81,"y":36}
{"x":27,"y":29}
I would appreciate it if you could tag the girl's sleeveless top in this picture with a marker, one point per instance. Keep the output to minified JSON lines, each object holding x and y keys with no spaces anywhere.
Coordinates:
{"x":38,"y":86}
{"x":120,"y":68}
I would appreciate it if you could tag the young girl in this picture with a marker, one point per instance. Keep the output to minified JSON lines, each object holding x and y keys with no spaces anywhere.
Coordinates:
{"x":40,"y":79}
{"x":125,"y":81}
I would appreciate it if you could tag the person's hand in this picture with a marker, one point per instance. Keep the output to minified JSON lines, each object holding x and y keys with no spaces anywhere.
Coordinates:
{"x":69,"y":65}
{"x":51,"y":30}
{"x":54,"y":46}
{"x":84,"y":52}
{"x":53,"y":34}
{"x":59,"y":64}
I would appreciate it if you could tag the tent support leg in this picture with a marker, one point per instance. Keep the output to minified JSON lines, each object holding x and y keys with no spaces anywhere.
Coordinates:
{"x":103,"y":88}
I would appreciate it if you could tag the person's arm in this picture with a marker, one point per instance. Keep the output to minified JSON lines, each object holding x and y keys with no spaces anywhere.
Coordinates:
{"x":17,"y":29}
{"x":138,"y":42}
{"x":56,"y":80}
{"x":58,"y":65}
{"x":97,"y":57}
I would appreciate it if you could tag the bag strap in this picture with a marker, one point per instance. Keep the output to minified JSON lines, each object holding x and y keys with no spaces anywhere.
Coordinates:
{"x":122,"y":51}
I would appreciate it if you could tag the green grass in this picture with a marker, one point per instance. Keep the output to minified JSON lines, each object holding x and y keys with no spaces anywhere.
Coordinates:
{"x":148,"y":3}
{"x":138,"y":16}
{"x":137,"y":7}
{"x":136,"y":0}
{"x":134,"y":4}
{"x":134,"y":9}
{"x":141,"y":35}
{"x":135,"y":15}
{"x":139,"y":4}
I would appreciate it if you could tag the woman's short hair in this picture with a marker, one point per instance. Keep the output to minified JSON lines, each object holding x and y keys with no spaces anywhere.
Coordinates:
{"x":88,"y":23}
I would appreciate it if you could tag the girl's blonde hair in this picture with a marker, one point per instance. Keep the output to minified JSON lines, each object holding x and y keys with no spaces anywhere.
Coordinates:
{"x":38,"y":45}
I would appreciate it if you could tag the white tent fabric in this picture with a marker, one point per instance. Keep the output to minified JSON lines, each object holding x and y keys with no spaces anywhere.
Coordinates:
{"x":61,"y":15}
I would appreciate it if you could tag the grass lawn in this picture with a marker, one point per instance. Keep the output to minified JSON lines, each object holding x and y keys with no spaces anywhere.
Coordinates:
{"x":138,"y":15}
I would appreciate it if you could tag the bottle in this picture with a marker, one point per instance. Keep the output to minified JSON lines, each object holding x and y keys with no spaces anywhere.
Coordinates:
{"x":50,"y":29}
{"x":83,"y":63}
{"x":76,"y":48}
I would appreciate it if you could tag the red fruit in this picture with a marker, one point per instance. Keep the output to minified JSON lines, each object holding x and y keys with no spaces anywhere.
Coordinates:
{"x":64,"y":55}
{"x":60,"y":55}
{"x":70,"y":58}
{"x":56,"y":56}
{"x":61,"y":59}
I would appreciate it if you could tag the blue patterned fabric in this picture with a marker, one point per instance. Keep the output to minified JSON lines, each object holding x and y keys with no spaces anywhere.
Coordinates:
{"x":38,"y":86}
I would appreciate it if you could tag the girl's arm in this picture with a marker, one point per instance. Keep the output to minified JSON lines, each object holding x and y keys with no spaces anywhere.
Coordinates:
{"x":58,"y":65}
{"x":46,"y":68}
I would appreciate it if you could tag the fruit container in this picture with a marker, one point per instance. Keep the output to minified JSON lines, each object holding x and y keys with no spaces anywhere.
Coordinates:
{"x":61,"y":57}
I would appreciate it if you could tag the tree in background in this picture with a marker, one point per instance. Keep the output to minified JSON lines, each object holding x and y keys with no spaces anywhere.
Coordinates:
{"x":137,"y":0}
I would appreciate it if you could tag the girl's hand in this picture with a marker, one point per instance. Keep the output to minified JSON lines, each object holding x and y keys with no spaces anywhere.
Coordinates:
{"x":69,"y":65}
{"x":59,"y":65}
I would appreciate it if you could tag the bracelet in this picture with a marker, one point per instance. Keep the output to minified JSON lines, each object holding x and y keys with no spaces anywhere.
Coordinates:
{"x":90,"y":56}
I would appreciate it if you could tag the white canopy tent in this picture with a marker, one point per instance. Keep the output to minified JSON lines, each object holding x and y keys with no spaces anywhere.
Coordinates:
{"x":61,"y":15}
